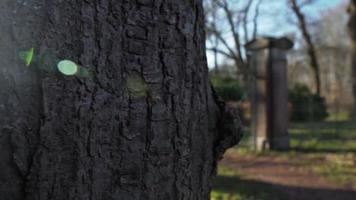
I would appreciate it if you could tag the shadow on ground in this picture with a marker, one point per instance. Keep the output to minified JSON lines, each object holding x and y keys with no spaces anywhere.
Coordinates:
{"x":252,"y":190}
{"x":324,"y":150}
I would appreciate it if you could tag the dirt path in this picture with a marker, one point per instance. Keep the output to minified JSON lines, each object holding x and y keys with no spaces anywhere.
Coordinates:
{"x":297,"y":182}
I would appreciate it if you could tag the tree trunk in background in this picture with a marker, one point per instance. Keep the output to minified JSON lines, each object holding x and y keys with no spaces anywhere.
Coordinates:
{"x":310,"y":44}
{"x":145,"y":124}
{"x":352,"y":30}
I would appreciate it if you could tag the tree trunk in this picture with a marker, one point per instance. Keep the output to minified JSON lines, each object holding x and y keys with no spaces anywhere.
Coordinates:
{"x":352,"y":31}
{"x":143,"y":124}
{"x":310,"y":45}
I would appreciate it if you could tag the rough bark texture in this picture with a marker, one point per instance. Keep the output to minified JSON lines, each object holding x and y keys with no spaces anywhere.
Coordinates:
{"x":144,"y":125}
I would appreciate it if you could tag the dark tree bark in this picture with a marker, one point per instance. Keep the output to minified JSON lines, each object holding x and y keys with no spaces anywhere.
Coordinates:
{"x":310,"y":45}
{"x":145,"y":123}
{"x":352,"y":30}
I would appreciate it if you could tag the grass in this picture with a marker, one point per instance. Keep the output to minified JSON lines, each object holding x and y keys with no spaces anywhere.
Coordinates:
{"x":324,"y":137}
{"x":338,"y":116}
{"x":339,"y":168}
{"x":230,"y":185}
{"x":326,"y":148}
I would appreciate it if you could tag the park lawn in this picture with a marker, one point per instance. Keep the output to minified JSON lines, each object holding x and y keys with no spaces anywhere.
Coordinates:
{"x":325,"y":137}
{"x":231,"y":185}
{"x":326,"y":148}
{"x":329,"y":148}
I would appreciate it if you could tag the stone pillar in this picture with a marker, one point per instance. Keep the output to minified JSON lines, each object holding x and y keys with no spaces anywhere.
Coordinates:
{"x":269,"y":92}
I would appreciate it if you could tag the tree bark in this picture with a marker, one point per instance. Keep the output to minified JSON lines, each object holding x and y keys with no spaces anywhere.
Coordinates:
{"x":145,"y":123}
{"x":352,"y":30}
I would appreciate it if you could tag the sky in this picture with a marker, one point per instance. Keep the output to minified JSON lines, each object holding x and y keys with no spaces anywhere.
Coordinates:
{"x":276,"y":19}
{"x":267,"y":24}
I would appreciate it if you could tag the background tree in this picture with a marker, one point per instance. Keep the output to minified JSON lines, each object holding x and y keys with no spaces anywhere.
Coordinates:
{"x":107,"y":100}
{"x":333,"y":48}
{"x":332,"y":44}
{"x":296,"y":8}
{"x":233,"y":24}
{"x":211,"y":15}
{"x":352,"y":31}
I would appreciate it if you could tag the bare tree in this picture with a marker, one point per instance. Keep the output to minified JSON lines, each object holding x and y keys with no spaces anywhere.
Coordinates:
{"x":311,"y":50}
{"x":329,"y":30}
{"x":230,"y":42}
{"x":352,"y":31}
{"x":211,"y":17}
{"x":333,"y":46}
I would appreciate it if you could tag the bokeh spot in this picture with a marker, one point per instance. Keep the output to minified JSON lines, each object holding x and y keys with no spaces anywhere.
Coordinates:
{"x":136,"y":86}
{"x":67,"y":67}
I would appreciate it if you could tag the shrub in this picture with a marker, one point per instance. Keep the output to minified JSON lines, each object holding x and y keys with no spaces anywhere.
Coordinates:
{"x":306,"y":106}
{"x":227,"y":88}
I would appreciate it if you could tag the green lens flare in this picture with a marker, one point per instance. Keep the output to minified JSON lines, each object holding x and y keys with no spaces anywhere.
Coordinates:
{"x":84,"y":73}
{"x":136,"y":86}
{"x":27,"y":56}
{"x":67,"y":67}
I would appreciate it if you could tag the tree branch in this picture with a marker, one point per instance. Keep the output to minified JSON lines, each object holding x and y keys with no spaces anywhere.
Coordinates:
{"x":310,"y":45}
